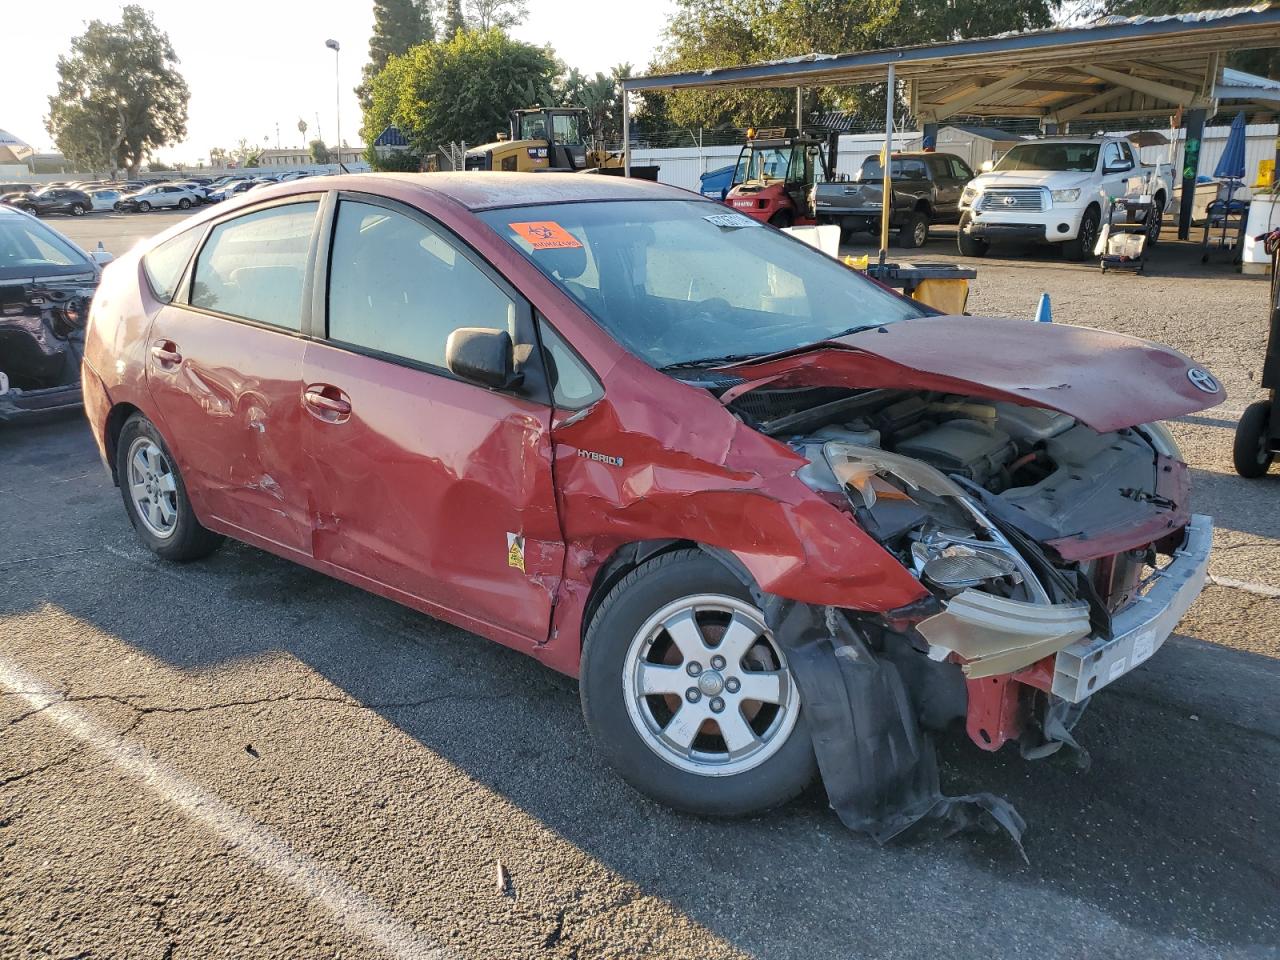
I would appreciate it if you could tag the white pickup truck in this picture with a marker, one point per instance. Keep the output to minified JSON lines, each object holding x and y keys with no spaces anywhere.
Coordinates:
{"x":1056,"y":190}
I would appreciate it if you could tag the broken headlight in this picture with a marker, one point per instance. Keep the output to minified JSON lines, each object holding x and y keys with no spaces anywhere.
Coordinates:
{"x":937,"y":529}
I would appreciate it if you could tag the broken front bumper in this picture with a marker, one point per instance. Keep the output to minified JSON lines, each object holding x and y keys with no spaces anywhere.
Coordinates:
{"x":1141,"y":628}
{"x":996,"y":636}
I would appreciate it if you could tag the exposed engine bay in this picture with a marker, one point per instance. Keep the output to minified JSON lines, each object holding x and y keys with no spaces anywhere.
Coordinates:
{"x":992,"y":499}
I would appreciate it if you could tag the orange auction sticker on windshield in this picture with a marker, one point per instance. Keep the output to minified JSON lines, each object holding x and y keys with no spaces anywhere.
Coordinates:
{"x":546,"y":235}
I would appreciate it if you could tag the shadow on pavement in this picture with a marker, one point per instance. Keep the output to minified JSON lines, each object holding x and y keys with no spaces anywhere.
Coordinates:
{"x":1168,"y":835}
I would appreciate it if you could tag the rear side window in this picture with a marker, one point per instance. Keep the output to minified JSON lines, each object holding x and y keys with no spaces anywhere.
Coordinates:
{"x":254,"y":266}
{"x":398,"y":287}
{"x":164,"y":264}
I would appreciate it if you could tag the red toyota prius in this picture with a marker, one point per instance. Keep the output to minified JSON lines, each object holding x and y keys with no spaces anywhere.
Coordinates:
{"x":666,"y":449}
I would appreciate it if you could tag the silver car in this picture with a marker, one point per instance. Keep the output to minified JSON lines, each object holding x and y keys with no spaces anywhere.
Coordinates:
{"x":158,"y":196}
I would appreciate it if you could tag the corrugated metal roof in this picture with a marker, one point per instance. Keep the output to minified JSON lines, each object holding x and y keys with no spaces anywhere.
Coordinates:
{"x":1114,"y":67}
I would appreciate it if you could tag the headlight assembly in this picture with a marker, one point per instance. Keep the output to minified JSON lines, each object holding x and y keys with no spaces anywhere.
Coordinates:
{"x":1066,"y":196}
{"x":1161,"y":439}
{"x":968,"y":195}
{"x":953,"y":543}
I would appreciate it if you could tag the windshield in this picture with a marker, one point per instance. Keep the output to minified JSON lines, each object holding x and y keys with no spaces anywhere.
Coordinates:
{"x":685,"y":282}
{"x":30,"y":249}
{"x":767,"y":164}
{"x":1072,"y":157}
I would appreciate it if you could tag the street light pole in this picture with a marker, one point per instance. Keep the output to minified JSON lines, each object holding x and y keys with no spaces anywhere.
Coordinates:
{"x":337,"y":97}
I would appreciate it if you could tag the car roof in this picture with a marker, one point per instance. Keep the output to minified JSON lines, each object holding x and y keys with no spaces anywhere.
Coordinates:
{"x":483,"y":190}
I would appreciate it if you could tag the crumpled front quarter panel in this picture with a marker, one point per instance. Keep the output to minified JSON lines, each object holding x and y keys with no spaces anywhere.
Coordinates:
{"x":671,"y":463}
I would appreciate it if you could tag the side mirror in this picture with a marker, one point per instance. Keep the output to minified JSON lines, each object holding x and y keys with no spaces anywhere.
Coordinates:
{"x":987,"y":166}
{"x":1118,"y":168}
{"x":481,"y":355}
{"x":101,"y":257}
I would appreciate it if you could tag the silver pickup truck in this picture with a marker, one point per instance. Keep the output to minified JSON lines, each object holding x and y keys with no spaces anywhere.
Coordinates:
{"x":926,"y":190}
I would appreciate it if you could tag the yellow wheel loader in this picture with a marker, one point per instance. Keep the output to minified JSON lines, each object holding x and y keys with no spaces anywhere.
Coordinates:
{"x":550,"y":138}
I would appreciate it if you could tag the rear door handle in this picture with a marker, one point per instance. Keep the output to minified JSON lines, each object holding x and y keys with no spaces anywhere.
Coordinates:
{"x":166,"y":352}
{"x":327,"y":402}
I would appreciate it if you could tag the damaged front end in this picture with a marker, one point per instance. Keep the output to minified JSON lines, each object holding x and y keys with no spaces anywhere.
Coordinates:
{"x":1057,"y":557}
{"x":42,"y":326}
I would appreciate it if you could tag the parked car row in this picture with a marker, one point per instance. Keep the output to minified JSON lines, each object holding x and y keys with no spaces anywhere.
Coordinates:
{"x":80,"y":197}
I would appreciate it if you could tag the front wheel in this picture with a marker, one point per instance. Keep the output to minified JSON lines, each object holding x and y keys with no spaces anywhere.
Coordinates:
{"x":155,"y":498}
{"x":970,"y":246}
{"x":144,"y":206}
{"x":688,"y":695}
{"x":1081,"y":248}
{"x":1251,"y":453}
{"x":782,"y":219}
{"x":77,"y":209}
{"x":184,"y":204}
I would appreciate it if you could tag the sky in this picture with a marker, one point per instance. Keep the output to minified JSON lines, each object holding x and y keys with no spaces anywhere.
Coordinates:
{"x":255,"y":66}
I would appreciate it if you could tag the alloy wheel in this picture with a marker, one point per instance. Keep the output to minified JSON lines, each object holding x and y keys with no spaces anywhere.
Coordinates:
{"x":707,"y":688}
{"x":153,"y":487}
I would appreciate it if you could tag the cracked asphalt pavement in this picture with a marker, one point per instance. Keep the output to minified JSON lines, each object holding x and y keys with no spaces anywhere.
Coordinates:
{"x":242,"y":758}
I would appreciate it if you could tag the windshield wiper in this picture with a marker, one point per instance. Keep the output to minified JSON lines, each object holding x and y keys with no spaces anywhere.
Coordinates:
{"x":709,"y":361}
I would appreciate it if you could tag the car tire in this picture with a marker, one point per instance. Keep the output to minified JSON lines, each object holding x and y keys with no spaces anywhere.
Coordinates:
{"x":782,"y":219}
{"x":144,"y":206}
{"x":1251,"y":452}
{"x":1157,"y":221}
{"x":155,"y":497}
{"x":77,"y":210}
{"x":184,"y":204}
{"x":970,"y":246}
{"x":914,"y":232}
{"x":1080,"y":248}
{"x":118,"y":207}
{"x":628,"y":638}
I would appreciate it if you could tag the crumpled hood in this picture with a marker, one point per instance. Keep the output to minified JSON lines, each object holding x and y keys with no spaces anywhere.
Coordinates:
{"x":1106,"y":380}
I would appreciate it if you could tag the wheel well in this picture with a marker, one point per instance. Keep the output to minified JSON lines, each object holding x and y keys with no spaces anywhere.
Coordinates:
{"x":922,"y":205}
{"x":1160,"y":198}
{"x":116,"y":419}
{"x":620,"y":563}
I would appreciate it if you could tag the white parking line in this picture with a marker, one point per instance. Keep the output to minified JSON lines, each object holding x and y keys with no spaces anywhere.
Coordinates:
{"x":349,"y":907}
{"x":1257,"y":589}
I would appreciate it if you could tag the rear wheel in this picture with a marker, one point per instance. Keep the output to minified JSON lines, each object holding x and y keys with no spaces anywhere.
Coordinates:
{"x":1251,"y":452}
{"x":915,"y":231}
{"x":77,"y":209}
{"x":688,"y":695}
{"x":184,"y":204}
{"x":1081,"y":248}
{"x":144,"y":205}
{"x":155,"y":498}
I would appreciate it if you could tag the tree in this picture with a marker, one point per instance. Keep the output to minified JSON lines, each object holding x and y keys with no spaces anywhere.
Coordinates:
{"x":503,"y":14}
{"x":320,"y":152}
{"x":218,"y":157}
{"x":599,"y":95}
{"x":120,"y":95}
{"x":702,"y":36}
{"x":397,"y":26}
{"x":302,"y":129}
{"x":454,"y":21}
{"x":459,"y":89}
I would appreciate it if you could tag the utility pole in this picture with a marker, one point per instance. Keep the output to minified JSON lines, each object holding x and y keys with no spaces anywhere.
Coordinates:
{"x":337,"y":98}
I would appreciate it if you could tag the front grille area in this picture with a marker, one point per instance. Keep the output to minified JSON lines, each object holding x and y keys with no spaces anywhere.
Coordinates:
{"x":1013,"y":199}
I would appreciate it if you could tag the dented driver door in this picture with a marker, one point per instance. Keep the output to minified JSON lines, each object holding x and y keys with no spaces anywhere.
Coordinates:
{"x":437,"y":490}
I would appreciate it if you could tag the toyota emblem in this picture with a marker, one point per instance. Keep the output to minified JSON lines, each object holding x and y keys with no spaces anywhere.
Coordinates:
{"x":1009,"y":201}
{"x":1203,"y":380}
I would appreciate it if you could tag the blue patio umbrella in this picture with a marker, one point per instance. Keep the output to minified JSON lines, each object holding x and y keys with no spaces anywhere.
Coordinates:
{"x":1231,"y":163}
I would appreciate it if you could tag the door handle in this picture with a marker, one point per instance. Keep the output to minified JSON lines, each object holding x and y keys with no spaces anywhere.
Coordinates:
{"x":330,"y":408}
{"x":167,"y":353}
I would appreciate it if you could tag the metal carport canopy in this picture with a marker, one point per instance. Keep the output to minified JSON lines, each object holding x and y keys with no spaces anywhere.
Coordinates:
{"x":1116,"y":67}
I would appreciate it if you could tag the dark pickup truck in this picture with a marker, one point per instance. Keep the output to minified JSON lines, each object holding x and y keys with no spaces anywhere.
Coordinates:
{"x":926,"y":190}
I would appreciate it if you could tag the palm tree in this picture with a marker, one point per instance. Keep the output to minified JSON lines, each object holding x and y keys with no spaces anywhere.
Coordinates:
{"x":302,"y":129}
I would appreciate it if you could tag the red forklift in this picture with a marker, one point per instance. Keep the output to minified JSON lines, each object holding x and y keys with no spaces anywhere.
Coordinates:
{"x":775,"y":174}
